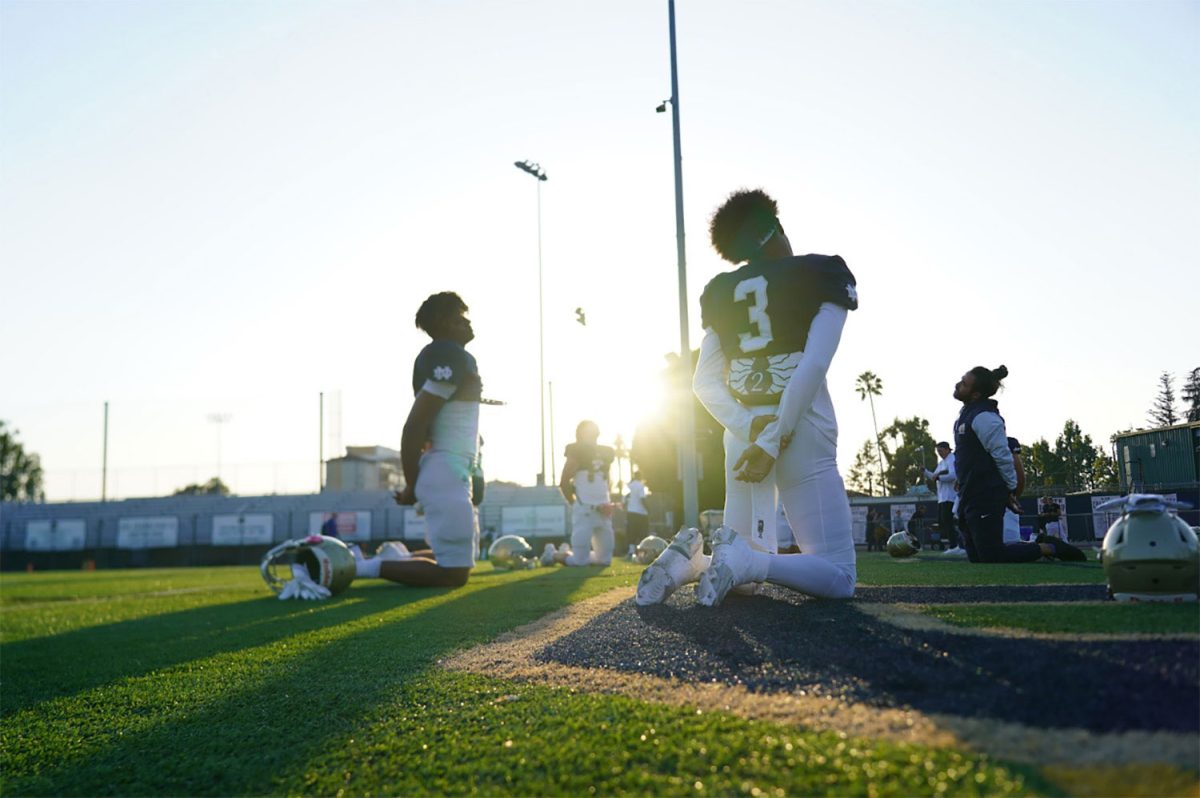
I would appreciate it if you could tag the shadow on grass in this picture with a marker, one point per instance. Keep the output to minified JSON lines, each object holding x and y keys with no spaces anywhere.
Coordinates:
{"x":777,"y":643}
{"x":44,"y":668}
{"x":240,"y":742}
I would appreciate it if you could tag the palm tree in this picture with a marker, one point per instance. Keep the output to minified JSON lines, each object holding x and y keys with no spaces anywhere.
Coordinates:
{"x":868,"y":385}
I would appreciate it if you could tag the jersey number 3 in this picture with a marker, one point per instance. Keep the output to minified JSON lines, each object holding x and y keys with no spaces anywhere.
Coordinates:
{"x":754,"y":288}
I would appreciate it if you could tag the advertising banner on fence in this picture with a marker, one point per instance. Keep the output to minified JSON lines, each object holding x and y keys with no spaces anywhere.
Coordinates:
{"x":64,"y":534}
{"x":349,"y":525}
{"x":1043,"y":504}
{"x":255,"y":529}
{"x":148,"y":532}
{"x":542,"y":520}
{"x":859,"y":523}
{"x":1103,"y":519}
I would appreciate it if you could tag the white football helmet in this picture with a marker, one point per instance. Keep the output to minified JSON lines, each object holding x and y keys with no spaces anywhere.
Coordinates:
{"x":511,"y":553}
{"x":327,"y":561}
{"x":649,"y":548}
{"x":1150,"y":554}
{"x":902,"y":544}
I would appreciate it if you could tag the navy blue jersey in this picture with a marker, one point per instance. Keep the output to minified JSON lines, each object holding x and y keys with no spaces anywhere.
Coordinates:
{"x":447,"y":361}
{"x":762,"y":312}
{"x":591,"y":457}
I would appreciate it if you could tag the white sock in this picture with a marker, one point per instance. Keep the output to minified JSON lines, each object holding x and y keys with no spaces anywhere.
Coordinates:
{"x":760,"y":565}
{"x":363,"y":566}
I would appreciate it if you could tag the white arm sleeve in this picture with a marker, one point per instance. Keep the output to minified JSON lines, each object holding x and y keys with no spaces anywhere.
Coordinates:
{"x":442,"y":389}
{"x":710,"y":383}
{"x":824,"y":335}
{"x":991,"y":433}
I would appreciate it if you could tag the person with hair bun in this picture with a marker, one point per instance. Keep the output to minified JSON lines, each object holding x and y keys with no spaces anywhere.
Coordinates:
{"x":987,"y":476}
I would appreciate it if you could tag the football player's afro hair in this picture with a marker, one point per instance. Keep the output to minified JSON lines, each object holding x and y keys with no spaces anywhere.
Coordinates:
{"x":439,"y":307}
{"x":737,"y":227}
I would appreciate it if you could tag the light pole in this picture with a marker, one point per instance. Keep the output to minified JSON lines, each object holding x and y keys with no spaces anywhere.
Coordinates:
{"x":687,"y":424}
{"x":220,"y":419}
{"x":534,"y":169}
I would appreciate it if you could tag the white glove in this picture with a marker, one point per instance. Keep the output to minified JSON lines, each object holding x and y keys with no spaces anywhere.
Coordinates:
{"x":301,"y":586}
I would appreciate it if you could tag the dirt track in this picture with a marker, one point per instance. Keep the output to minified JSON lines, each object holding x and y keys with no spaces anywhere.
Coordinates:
{"x":871,"y":667}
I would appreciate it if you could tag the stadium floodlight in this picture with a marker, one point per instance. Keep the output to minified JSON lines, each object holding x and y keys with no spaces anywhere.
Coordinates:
{"x":531,"y":168}
{"x":220,"y":419}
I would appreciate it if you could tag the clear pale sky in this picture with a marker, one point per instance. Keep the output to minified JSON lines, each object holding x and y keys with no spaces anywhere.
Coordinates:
{"x":229,"y":207}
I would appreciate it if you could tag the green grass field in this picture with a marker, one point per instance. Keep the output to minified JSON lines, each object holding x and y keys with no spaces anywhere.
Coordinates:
{"x":1109,"y":618}
{"x":196,"y":682}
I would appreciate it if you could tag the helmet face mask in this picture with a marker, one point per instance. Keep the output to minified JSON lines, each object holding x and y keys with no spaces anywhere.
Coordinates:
{"x":328,"y":562}
{"x":902,"y":544}
{"x":512,"y":553}
{"x":649,"y":548}
{"x":1150,"y":554}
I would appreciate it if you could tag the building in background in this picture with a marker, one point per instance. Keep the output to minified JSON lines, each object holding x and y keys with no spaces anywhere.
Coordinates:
{"x":365,"y":468}
{"x":1153,"y":460}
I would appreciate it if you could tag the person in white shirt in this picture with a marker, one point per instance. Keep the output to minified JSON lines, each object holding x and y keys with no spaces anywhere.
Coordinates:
{"x":943,"y":476}
{"x":637,"y":516}
{"x":1051,"y":522}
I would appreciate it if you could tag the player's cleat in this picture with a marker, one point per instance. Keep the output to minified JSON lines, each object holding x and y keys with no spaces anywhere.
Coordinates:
{"x":957,"y":551}
{"x":732,"y":564}
{"x":393,"y":550}
{"x":680,"y":563}
{"x":1062,"y":549}
{"x":548,"y":553}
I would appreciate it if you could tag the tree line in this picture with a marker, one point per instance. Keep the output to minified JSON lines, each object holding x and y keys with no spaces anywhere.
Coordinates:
{"x":1163,"y":412}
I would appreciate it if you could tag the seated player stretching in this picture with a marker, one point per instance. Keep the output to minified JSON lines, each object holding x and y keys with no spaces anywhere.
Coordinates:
{"x":439,"y":451}
{"x":585,"y":483}
{"x":771,"y":328}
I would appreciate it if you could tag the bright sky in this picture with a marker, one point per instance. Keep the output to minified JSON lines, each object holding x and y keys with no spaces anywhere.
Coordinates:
{"x":230,"y":207}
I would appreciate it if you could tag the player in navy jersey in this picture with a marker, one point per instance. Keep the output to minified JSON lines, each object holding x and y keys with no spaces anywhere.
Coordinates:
{"x":771,"y":328}
{"x":585,"y":486}
{"x":439,"y":450}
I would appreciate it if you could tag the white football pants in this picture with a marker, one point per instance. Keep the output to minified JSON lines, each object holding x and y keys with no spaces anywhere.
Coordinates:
{"x":591,"y":536}
{"x":815,"y":503}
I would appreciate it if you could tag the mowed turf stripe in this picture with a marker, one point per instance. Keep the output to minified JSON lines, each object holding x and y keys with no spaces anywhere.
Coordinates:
{"x":921,"y":618}
{"x":227,"y":720}
{"x":875,"y":568}
{"x":452,"y":733}
{"x":1100,"y":620}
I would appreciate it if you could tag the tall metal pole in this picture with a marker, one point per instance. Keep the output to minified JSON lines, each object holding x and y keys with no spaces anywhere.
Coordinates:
{"x":553,"y":467}
{"x":687,"y":424}
{"x":536,"y":170}
{"x":321,"y":443}
{"x":219,"y":419}
{"x":541,"y":338}
{"x":104,"y":460}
